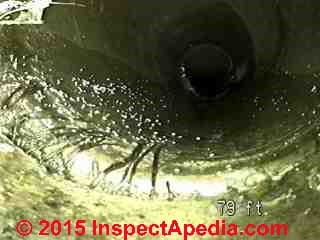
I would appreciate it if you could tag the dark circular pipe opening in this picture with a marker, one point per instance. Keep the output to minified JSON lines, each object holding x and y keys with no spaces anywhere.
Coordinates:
{"x":206,"y":70}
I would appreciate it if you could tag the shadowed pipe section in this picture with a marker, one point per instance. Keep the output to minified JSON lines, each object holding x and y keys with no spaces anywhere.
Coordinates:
{"x":206,"y":71}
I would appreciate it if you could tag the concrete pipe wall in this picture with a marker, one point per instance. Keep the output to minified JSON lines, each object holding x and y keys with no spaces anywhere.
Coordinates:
{"x":210,"y":78}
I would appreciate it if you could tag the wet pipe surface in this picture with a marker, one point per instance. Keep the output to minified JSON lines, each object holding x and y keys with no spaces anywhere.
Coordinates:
{"x":95,"y":88}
